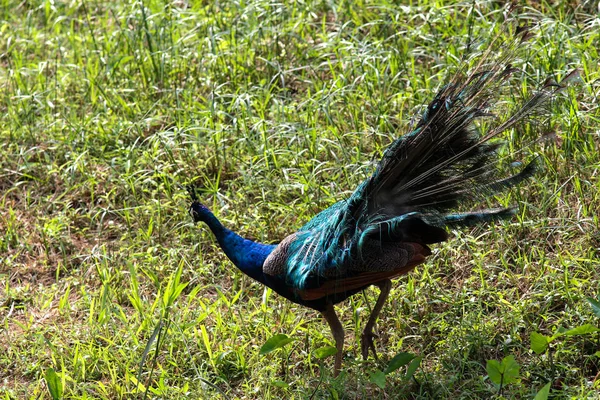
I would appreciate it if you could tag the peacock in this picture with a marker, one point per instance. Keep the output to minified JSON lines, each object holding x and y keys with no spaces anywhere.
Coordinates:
{"x":386,"y":227}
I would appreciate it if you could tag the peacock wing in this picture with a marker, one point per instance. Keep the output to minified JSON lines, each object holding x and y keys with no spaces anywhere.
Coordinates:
{"x":393,"y":260}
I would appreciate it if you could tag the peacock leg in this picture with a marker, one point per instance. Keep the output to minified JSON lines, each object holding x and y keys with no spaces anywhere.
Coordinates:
{"x":338,"y":334}
{"x":367,"y":336}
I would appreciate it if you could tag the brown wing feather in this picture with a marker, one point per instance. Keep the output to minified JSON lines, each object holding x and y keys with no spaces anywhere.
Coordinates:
{"x":366,"y":278}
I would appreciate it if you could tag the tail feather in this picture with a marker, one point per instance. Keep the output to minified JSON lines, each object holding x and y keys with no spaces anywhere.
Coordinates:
{"x":446,"y":160}
{"x":478,"y":217}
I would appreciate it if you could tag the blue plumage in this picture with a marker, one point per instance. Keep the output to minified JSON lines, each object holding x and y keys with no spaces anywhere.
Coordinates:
{"x":384,"y":228}
{"x":247,"y":255}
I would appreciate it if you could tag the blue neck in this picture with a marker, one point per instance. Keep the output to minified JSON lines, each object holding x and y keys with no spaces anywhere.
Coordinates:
{"x":247,"y":255}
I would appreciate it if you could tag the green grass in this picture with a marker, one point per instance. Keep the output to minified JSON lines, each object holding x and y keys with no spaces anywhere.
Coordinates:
{"x":276,"y":111}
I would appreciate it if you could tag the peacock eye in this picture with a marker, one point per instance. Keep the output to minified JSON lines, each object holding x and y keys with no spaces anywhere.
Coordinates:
{"x":436,"y":104}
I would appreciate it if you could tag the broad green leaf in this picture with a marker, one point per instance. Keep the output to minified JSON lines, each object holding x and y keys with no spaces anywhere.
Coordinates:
{"x":538,"y":342}
{"x":597,"y":354}
{"x":559,"y":332}
{"x":140,"y":386}
{"x":54,"y":384}
{"x":511,"y":369}
{"x":206,"y":341}
{"x":280,"y":384}
{"x":399,"y":360}
{"x":412,"y":367}
{"x":595,"y":306}
{"x":581,"y":330}
{"x":543,"y":393}
{"x":324,"y":352}
{"x":494,"y":370}
{"x":275,"y":342}
{"x":378,"y":378}
{"x":503,"y":372}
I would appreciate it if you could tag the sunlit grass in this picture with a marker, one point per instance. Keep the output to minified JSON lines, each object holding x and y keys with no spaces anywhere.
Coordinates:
{"x":276,"y":111}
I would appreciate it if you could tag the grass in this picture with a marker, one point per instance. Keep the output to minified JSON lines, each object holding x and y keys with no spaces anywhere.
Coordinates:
{"x":108,"y":108}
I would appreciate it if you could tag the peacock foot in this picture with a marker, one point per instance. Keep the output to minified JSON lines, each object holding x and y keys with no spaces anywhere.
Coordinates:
{"x":366,"y":343}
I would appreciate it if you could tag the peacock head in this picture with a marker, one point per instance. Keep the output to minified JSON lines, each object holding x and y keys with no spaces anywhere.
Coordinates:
{"x":200,"y":212}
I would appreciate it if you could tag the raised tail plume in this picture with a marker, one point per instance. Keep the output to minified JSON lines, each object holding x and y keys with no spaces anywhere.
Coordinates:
{"x":425,"y":175}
